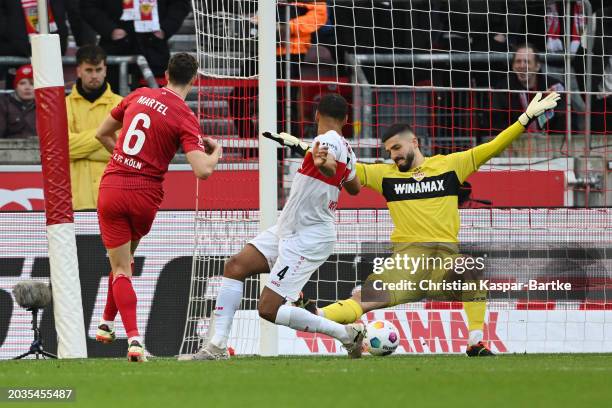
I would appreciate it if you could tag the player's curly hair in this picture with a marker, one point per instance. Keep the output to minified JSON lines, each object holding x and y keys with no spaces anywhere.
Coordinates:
{"x":182,"y":67}
{"x":333,"y":105}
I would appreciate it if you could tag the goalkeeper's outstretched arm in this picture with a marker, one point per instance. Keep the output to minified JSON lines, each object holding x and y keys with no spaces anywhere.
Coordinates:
{"x":286,"y":140}
{"x":537,"y":107}
{"x":326,"y":167}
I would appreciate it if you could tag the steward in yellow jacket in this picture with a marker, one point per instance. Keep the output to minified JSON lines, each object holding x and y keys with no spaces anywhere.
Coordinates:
{"x":89,"y":103}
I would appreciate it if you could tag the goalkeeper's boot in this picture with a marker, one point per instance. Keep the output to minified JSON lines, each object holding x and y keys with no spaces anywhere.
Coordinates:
{"x":307,"y":304}
{"x":210,"y":352}
{"x":136,"y":352}
{"x":356,"y":332}
{"x":105,"y":334}
{"x":478,"y":350}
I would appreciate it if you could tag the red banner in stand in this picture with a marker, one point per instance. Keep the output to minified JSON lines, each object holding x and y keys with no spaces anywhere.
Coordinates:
{"x":21,"y":190}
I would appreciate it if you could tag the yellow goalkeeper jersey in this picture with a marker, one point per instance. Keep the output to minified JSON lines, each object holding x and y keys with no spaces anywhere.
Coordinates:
{"x":423,"y":202}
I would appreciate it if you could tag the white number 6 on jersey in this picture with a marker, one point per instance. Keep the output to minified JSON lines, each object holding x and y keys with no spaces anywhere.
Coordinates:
{"x":140,"y":135}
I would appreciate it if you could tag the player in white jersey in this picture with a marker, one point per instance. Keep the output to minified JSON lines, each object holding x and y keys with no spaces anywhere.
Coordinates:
{"x":302,"y":239}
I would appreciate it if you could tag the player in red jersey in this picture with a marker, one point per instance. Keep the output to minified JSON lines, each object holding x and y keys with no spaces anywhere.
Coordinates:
{"x":154,"y":123}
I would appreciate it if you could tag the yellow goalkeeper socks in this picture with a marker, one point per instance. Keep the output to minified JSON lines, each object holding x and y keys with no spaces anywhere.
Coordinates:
{"x":344,"y":311}
{"x":475,"y":312}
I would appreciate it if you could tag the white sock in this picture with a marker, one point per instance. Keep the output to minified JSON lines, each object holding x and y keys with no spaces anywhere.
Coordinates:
{"x":301,"y":319}
{"x":111,"y":325}
{"x":475,"y":337}
{"x":228,"y":301}
{"x":137,"y":338}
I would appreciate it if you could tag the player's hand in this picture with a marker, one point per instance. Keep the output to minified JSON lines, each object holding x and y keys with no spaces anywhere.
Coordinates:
{"x":320,"y":152}
{"x":285,"y":139}
{"x":320,"y":158}
{"x":538,"y":106}
{"x":210,"y":145}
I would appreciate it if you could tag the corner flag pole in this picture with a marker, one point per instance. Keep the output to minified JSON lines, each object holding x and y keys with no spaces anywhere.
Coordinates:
{"x":52,"y":129}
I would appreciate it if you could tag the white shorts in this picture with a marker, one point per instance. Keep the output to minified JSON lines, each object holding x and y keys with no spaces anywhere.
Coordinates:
{"x":292,"y":260}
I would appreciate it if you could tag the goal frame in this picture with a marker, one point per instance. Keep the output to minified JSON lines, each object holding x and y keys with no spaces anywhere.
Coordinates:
{"x":268,"y":182}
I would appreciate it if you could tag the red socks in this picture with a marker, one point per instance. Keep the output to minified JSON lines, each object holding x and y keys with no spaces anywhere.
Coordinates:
{"x":110,"y":309}
{"x":125,"y":299}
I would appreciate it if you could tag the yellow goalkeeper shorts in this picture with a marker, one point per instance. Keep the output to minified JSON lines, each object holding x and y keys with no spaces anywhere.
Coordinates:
{"x":417,"y":271}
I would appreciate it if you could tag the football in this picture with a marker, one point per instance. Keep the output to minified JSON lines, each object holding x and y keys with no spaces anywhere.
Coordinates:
{"x":381,"y":338}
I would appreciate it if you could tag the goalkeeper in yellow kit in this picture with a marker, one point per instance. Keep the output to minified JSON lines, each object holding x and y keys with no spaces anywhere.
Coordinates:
{"x":421,"y":194}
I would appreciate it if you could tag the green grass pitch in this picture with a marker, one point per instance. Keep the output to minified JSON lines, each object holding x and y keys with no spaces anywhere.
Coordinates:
{"x":538,"y":380}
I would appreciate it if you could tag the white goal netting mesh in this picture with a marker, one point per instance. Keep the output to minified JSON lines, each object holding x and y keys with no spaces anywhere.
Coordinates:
{"x":459,"y":72}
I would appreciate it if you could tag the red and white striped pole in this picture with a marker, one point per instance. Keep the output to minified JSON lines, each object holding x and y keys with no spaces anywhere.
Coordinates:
{"x":52,"y":128}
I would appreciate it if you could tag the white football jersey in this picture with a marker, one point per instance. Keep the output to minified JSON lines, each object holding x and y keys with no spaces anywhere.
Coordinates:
{"x":314,"y":197}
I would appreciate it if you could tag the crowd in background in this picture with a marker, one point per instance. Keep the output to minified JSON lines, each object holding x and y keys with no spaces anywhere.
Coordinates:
{"x":479,"y":39}
{"x":499,"y":28}
{"x":116,"y":26}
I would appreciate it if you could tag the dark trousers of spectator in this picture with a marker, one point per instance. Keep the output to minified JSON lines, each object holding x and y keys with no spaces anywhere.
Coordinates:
{"x":601,"y":117}
{"x":82,"y":32}
{"x":155,"y":50}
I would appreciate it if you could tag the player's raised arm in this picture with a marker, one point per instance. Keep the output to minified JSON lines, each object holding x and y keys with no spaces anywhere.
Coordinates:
{"x":537,"y":107}
{"x":106,"y":133}
{"x":286,"y":140}
{"x":325,"y":162}
{"x":203,"y":162}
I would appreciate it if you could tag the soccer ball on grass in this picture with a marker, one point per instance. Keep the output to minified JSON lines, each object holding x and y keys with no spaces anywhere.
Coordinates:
{"x":381,"y":338}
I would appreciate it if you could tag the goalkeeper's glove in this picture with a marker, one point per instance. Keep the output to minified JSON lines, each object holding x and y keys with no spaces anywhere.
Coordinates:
{"x":292,"y":142}
{"x":538,"y":106}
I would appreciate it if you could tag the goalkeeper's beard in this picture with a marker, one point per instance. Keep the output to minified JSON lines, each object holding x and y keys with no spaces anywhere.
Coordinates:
{"x":406,"y":163}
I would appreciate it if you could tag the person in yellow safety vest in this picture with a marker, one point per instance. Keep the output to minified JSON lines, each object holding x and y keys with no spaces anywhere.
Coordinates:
{"x":88,"y":104}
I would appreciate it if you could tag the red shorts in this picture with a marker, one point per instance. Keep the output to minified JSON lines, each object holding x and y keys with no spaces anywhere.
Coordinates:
{"x":126,"y":215}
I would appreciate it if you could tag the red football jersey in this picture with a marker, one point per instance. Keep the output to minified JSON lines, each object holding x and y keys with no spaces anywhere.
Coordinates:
{"x":155,"y":123}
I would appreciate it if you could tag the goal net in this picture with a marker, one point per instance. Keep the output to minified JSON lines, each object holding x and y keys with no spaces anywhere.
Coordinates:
{"x":459,"y":73}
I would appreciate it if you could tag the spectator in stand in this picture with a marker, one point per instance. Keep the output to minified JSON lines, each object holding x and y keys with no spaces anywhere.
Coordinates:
{"x":556,"y":19}
{"x":136,"y":27}
{"x":526,"y":77}
{"x":18,"y":20}
{"x":601,"y":108}
{"x":601,"y":76}
{"x":555,"y":26}
{"x":88,"y":104}
{"x":82,"y":32}
{"x":18,"y":110}
{"x":306,"y":17}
